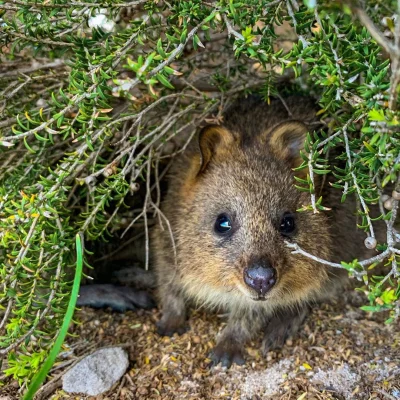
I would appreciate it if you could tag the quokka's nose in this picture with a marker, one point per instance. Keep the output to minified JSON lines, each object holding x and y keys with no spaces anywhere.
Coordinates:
{"x":260,"y":277}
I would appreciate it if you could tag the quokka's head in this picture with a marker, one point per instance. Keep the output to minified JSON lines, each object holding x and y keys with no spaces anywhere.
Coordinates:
{"x":239,"y":210}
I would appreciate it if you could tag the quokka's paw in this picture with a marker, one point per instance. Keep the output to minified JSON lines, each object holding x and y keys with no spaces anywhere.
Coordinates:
{"x":119,"y":298}
{"x":274,"y":339}
{"x":167,"y":327}
{"x":281,"y":328}
{"x":226,"y":354}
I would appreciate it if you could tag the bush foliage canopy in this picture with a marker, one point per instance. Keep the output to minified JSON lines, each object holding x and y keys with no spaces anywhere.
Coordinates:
{"x":96,"y":98}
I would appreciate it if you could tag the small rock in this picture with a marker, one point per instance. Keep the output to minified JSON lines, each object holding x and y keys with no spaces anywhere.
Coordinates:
{"x":388,"y":204}
{"x":143,"y":391}
{"x":166,"y":340}
{"x":196,"y":339}
{"x":396,"y":195}
{"x":370,"y":242}
{"x":96,"y":373}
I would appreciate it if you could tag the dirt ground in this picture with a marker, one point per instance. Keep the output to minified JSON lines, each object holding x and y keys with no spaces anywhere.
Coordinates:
{"x":341,"y":353}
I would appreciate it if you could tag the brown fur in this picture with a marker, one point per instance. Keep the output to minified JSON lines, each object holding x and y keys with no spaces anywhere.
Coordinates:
{"x":245,"y":168}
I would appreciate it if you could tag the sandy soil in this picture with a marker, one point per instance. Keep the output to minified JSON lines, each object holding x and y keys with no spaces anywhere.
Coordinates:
{"x":341,"y":353}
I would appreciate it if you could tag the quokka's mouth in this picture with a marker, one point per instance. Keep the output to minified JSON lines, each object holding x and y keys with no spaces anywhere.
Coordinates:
{"x":262,"y":297}
{"x":252,"y":294}
{"x":258,"y":297}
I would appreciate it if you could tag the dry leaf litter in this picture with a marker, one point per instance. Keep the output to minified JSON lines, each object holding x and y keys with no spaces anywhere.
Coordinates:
{"x":340,"y":353}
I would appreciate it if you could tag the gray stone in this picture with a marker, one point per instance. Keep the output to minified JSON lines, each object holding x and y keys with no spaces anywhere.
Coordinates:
{"x":96,"y":373}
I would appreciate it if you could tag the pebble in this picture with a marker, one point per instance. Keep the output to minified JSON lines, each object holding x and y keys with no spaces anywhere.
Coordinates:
{"x":196,"y":339}
{"x":143,"y":391}
{"x":96,"y":373}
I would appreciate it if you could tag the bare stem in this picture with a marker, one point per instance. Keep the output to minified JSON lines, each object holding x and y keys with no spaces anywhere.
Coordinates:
{"x":354,"y":178}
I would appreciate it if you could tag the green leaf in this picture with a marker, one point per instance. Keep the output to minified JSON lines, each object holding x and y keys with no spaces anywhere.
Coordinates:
{"x":210,"y":17}
{"x":28,"y":147}
{"x":160,"y":49}
{"x":183,"y":36}
{"x":369,"y":147}
{"x":376,"y":115}
{"x":162,"y":79}
{"x":388,"y":296}
{"x":371,"y":308}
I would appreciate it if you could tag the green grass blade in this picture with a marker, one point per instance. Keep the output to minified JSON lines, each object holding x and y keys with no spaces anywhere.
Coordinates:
{"x":41,"y":375}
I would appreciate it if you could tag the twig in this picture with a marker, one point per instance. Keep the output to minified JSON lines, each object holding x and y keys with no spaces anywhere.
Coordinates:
{"x":140,"y":115}
{"x":100,"y":4}
{"x":291,"y":14}
{"x":311,"y":174}
{"x":339,"y":132}
{"x":166,"y":124}
{"x":77,"y":25}
{"x":118,"y":250}
{"x":386,"y":394}
{"x":354,"y":178}
{"x":10,"y":94}
{"x":380,"y":257}
{"x":147,"y":200}
{"x":40,"y":40}
{"x":15,"y":72}
{"x":395,"y":57}
{"x":231,"y":31}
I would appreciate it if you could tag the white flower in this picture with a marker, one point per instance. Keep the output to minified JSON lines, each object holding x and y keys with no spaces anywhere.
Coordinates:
{"x":101,"y":21}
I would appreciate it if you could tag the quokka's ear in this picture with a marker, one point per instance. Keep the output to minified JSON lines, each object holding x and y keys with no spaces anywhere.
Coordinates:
{"x":287,"y":140}
{"x":213,"y":141}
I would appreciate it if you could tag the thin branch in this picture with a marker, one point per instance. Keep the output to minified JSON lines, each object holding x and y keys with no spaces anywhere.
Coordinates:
{"x":41,"y":67}
{"x":40,"y":40}
{"x":166,"y":125}
{"x":291,"y":14}
{"x":311,"y":174}
{"x":339,"y":132}
{"x":395,"y":57}
{"x":100,"y":4}
{"x":231,"y":31}
{"x":380,"y":257}
{"x":357,"y":187}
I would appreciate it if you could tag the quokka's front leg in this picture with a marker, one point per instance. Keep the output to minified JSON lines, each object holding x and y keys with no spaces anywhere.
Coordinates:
{"x":281,"y":326}
{"x":242,"y":326}
{"x":173,"y":308}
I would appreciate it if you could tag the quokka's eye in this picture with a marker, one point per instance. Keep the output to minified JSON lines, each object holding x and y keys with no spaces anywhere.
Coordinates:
{"x":223,"y":224}
{"x":288,"y":224}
